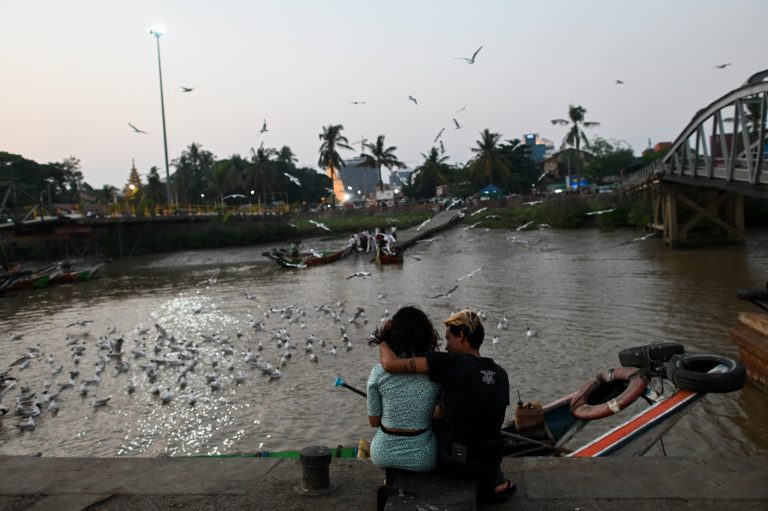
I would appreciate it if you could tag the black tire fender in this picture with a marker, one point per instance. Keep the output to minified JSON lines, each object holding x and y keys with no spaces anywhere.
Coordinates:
{"x":657,"y":354}
{"x":691,"y":372}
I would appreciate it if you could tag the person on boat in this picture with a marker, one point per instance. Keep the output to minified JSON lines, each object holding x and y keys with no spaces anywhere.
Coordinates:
{"x":474,"y":398}
{"x":401,"y":407}
{"x":293,"y":250}
{"x":393,"y":232}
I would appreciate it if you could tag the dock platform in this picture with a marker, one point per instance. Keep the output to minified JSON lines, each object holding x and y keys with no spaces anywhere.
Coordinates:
{"x":544,"y":484}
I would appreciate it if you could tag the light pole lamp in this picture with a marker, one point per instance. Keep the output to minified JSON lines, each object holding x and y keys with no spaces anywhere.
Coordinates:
{"x":157,"y":32}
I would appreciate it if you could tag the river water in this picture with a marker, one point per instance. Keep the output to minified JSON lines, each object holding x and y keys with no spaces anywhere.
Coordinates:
{"x":589,"y":293}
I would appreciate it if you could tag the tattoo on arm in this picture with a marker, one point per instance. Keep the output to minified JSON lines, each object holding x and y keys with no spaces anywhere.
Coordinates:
{"x":410,"y":367}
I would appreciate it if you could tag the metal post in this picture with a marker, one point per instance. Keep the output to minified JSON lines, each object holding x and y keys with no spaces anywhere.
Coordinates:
{"x":162,"y":110}
{"x":315,"y":461}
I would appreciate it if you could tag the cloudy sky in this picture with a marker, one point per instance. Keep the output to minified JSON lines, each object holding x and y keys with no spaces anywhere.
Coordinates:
{"x":75,"y":73}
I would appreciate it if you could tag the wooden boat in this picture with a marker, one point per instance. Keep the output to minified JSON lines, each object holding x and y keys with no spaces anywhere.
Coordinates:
{"x":24,"y":279}
{"x":384,"y":258}
{"x":544,"y":430}
{"x":313,"y":258}
{"x":70,"y":274}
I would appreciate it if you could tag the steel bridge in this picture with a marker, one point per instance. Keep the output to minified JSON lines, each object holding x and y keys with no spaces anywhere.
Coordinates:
{"x":696,"y":190}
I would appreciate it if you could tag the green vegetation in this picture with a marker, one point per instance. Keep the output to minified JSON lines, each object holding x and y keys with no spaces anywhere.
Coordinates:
{"x":569,"y":212}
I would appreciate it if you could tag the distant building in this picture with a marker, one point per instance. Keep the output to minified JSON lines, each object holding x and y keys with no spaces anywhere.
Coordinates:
{"x":358,"y":179}
{"x":399,"y":178}
{"x":541,"y":148}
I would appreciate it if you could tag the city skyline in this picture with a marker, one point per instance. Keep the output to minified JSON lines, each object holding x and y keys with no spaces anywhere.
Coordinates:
{"x":78,"y":74}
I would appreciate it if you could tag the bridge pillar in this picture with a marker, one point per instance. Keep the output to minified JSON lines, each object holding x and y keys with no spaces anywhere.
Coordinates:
{"x":690,"y":216}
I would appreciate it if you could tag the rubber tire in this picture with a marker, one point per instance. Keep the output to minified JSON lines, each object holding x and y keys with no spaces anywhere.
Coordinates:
{"x":689,"y":372}
{"x":657,"y":353}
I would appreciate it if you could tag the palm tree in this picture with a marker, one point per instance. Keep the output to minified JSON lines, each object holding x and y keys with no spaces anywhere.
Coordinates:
{"x":490,"y":161}
{"x":381,"y":157}
{"x":219,"y":180}
{"x":264,"y":168}
{"x":285,"y":155}
{"x":331,"y":139}
{"x":575,"y":134}
{"x":429,"y":174}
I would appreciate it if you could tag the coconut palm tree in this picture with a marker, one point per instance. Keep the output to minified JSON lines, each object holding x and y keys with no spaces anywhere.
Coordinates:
{"x":381,"y":156}
{"x":331,"y":140}
{"x":219,"y":180}
{"x":286,"y":156}
{"x":490,"y":164}
{"x":429,"y":174}
{"x":263,"y":167}
{"x":575,"y":134}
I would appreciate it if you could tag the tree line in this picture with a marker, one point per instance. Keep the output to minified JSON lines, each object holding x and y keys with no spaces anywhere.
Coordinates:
{"x":270,"y":174}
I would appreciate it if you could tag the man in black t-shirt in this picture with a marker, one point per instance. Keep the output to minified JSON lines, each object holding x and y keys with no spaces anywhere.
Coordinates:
{"x":475,"y":394}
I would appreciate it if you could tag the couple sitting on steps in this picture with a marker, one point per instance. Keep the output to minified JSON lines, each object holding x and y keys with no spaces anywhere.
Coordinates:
{"x":446,"y":411}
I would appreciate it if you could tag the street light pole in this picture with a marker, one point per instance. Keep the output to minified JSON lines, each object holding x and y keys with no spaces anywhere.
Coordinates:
{"x":157,"y":32}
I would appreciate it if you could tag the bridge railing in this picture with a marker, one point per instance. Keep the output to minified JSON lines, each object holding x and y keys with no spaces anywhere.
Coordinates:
{"x":706,"y":151}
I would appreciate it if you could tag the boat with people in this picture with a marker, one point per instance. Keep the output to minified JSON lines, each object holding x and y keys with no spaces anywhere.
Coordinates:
{"x":393,"y":257}
{"x":288,"y":258}
{"x":669,"y":380}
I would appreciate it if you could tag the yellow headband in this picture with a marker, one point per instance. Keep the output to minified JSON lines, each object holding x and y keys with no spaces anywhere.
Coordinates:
{"x":465,"y":318}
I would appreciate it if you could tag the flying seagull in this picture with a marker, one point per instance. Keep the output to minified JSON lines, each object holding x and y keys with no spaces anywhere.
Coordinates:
{"x":723,"y":66}
{"x":442,"y":148}
{"x":360,"y":274}
{"x":321,"y":225}
{"x":456,"y":123}
{"x":264,"y":127}
{"x":411,"y":98}
{"x":447,"y":293}
{"x":294,"y":179}
{"x":470,"y":60}
{"x":187,"y":89}
{"x":357,"y":102}
{"x":83,"y":322}
{"x":137,"y":130}
{"x":601,"y":212}
{"x":462,"y":108}
{"x":469,"y":275}
{"x":439,"y":134}
{"x":619,"y":82}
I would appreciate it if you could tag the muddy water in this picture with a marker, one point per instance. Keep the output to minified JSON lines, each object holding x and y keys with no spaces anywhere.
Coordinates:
{"x":589,"y":293}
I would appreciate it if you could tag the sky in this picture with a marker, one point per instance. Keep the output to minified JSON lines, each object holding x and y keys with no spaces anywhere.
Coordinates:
{"x":75,"y":73}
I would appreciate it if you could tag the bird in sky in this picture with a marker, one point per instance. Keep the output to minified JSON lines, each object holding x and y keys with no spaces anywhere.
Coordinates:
{"x":357,"y":102}
{"x":643,"y":238}
{"x":472,"y":59}
{"x":442,"y":148}
{"x":723,"y":66}
{"x":83,"y":322}
{"x":294,"y":179}
{"x":411,"y":98}
{"x":360,"y":274}
{"x":439,"y":134}
{"x":137,"y":130}
{"x":619,"y":82}
{"x":447,"y":293}
{"x":264,"y":127}
{"x":456,"y":123}
{"x":462,"y":108}
{"x":469,"y":275}
{"x":321,"y":225}
{"x":187,"y":89}
{"x":601,"y":212}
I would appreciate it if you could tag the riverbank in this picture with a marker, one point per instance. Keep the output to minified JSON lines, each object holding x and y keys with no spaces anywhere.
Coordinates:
{"x":595,"y":484}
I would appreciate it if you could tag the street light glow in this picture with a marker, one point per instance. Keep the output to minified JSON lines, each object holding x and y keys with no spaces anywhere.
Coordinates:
{"x":156,"y":30}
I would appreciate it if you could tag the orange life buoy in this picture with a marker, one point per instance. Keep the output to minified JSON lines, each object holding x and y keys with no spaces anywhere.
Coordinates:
{"x":593,"y":400}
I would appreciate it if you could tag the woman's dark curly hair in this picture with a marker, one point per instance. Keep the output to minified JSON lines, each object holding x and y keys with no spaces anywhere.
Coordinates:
{"x":409,"y":333}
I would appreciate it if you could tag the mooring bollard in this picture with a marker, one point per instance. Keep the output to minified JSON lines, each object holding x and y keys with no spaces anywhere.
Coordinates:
{"x":315,"y":461}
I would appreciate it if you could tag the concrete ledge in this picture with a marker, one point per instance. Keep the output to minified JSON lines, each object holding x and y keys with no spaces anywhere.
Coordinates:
{"x":593,"y":484}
